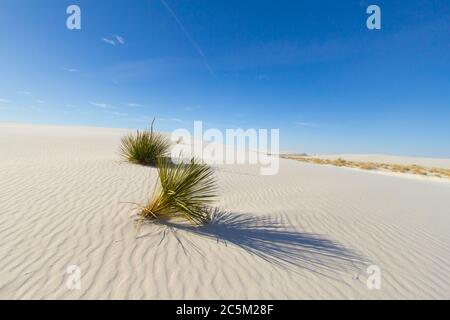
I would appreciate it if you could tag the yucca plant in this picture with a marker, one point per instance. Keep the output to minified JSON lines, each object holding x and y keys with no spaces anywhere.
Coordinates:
{"x":144,"y":147}
{"x":186,"y":190}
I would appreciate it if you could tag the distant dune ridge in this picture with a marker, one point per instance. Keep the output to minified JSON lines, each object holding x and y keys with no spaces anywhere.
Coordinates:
{"x":426,"y":162}
{"x":429,"y":168}
{"x":381,"y":158}
{"x":310,"y":231}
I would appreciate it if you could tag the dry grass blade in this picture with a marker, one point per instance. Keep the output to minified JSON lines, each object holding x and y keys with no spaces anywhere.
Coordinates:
{"x":186,"y":190}
{"x":144,"y":147}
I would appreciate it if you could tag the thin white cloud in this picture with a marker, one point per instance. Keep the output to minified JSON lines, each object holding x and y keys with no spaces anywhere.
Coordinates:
{"x":5,"y":101}
{"x":25,"y":93}
{"x":71,"y":70}
{"x":119,"y":39}
{"x":100,"y":105}
{"x":120,"y":114}
{"x":116,"y":39}
{"x":108,"y":41}
{"x":134,"y":105}
{"x":40,"y":101}
{"x":138,"y":119}
{"x":145,"y":119}
{"x":306,"y":124}
{"x":171,"y":120}
{"x":262,"y":77}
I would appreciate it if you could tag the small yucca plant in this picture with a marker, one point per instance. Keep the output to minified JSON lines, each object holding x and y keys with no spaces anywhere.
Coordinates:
{"x":144,"y":147}
{"x":186,"y":190}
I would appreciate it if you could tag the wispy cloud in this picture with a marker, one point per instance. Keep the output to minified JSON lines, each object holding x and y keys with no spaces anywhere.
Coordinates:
{"x":100,"y":105}
{"x":116,"y":39}
{"x":25,"y":93}
{"x":40,"y":101}
{"x":146,"y":69}
{"x":306,"y":124}
{"x":139,"y":119}
{"x":109,"y":41}
{"x":120,"y":114}
{"x":171,"y":120}
{"x":150,"y":119}
{"x":5,"y":101}
{"x":188,"y":35}
{"x":191,"y":108}
{"x":71,"y":70}
{"x":134,"y":105}
{"x":262,"y":77}
{"x":119,"y":39}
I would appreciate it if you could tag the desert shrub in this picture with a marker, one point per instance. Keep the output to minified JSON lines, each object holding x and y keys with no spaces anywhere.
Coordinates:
{"x":368,"y":166}
{"x":186,"y":190}
{"x":144,"y":147}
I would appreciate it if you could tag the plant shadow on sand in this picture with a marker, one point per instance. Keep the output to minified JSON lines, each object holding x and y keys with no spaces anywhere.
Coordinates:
{"x":271,"y":241}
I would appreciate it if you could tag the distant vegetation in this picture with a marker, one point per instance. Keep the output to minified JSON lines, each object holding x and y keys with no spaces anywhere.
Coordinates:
{"x":412,"y":169}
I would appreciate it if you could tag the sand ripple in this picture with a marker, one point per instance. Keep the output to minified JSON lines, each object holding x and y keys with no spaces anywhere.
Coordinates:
{"x":308,"y":232}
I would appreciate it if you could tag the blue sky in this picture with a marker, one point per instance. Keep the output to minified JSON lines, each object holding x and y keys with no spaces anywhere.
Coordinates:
{"x":310,"y":68}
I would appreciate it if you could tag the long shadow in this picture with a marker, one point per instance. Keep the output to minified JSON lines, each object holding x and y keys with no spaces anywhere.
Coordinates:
{"x":275,"y":243}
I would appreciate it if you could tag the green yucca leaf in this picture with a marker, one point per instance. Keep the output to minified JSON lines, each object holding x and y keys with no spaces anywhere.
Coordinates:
{"x":186,"y":190}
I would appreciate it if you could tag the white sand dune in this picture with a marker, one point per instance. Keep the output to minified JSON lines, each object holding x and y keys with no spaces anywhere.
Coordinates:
{"x":309,"y":232}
